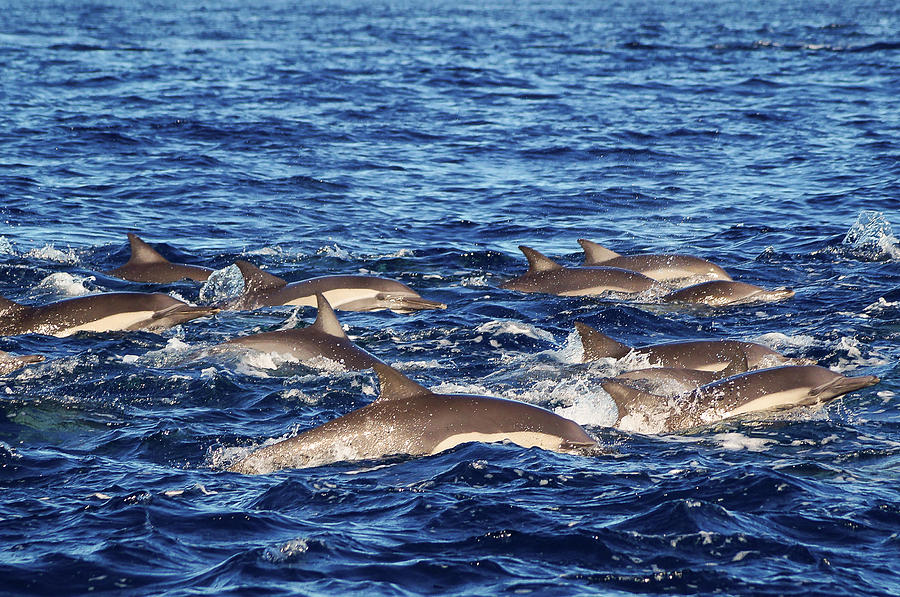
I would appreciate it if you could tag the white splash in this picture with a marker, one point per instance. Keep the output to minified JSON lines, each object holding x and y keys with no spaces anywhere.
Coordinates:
{"x":65,"y":284}
{"x":222,"y":284}
{"x":872,"y":231}
{"x":50,"y":253}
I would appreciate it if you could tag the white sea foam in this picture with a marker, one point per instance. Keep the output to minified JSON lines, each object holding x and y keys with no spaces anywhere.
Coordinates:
{"x":779,"y":342}
{"x":335,"y":251}
{"x":65,"y":284}
{"x":739,"y":441}
{"x":50,"y":253}
{"x":6,"y":247}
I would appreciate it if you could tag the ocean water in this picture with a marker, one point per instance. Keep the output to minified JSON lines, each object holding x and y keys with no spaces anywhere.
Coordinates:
{"x":424,"y":141}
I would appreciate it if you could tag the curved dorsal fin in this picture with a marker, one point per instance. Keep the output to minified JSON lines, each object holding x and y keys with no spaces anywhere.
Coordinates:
{"x":396,"y":386}
{"x":141,"y":252}
{"x":326,"y":320}
{"x":255,"y":279}
{"x":8,"y":307}
{"x":595,"y":252}
{"x":538,"y":262}
{"x":597,"y":345}
{"x":629,"y":399}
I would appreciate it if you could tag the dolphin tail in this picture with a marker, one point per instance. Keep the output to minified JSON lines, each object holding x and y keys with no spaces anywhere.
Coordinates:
{"x":598,"y":345}
{"x":595,"y":253}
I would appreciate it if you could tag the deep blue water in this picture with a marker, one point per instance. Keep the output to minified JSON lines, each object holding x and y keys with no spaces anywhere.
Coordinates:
{"x":424,"y":141}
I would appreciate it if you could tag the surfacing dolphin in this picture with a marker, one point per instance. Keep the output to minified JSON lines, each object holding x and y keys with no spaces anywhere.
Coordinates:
{"x":776,"y":388}
{"x":12,"y":362}
{"x":662,"y":268}
{"x":547,"y":276}
{"x":704,"y":355}
{"x":147,"y":265}
{"x":107,"y":312}
{"x":349,"y":293}
{"x":324,"y":338}
{"x":719,"y":293}
{"x":407,"y":418}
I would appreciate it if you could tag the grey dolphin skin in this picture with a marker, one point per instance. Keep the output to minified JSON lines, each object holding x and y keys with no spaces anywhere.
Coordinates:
{"x":776,"y":388}
{"x":12,"y":362}
{"x":661,"y":268}
{"x":704,"y":355}
{"x":547,"y":276}
{"x":349,"y":293}
{"x":108,"y":312}
{"x":147,"y":265}
{"x":719,"y":293}
{"x":407,"y":418}
{"x":324,"y":338}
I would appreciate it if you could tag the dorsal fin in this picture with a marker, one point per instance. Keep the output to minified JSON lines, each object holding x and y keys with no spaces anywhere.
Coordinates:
{"x":326,"y":320}
{"x":627,"y":398}
{"x":141,"y":252}
{"x":8,"y":307}
{"x":597,"y":345}
{"x":737,"y":366}
{"x":538,"y":262}
{"x":596,"y":253}
{"x":396,"y":386}
{"x":255,"y":279}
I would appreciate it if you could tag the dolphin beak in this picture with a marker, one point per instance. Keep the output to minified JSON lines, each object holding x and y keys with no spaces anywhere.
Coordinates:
{"x":31,"y":358}
{"x":177,"y":314}
{"x":407,"y":304}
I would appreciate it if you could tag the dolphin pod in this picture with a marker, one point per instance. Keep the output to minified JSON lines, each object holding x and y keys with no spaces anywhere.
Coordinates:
{"x":721,"y":378}
{"x":409,"y":419}
{"x":350,"y":293}
{"x":12,"y":362}
{"x":324,"y":338}
{"x":147,"y":265}
{"x":775,"y":388}
{"x":661,"y":268}
{"x":113,"y":311}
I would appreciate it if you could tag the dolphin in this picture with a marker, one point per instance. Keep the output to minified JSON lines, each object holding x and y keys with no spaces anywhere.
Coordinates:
{"x":349,"y":293}
{"x":547,"y":276}
{"x":324,"y":338}
{"x":661,"y":268}
{"x":11,"y":362}
{"x":718,"y":293}
{"x":147,"y":265}
{"x":97,"y":313}
{"x":776,"y":388}
{"x":407,"y":418}
{"x":704,"y":355}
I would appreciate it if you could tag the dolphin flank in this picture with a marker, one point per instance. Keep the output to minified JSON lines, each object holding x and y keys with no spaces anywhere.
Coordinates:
{"x":547,"y":276}
{"x":775,"y":388}
{"x":107,"y":312}
{"x":324,"y":338}
{"x":349,"y":293}
{"x":407,"y":418}
{"x":661,"y":268}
